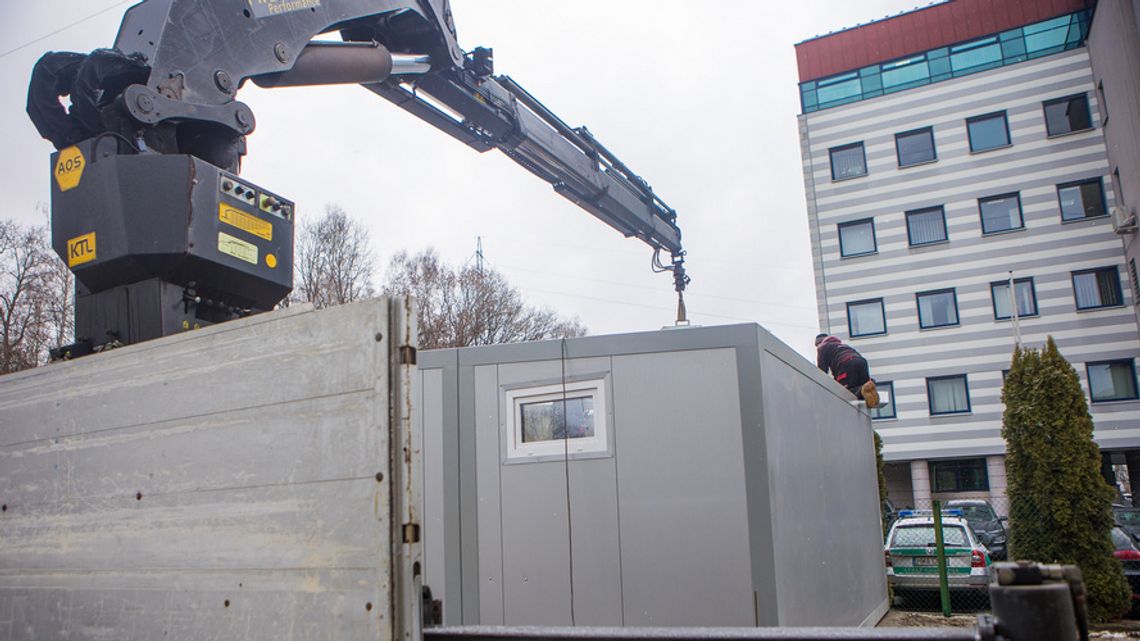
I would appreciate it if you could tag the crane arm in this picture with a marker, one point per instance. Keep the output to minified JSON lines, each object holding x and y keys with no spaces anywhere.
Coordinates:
{"x":178,"y":66}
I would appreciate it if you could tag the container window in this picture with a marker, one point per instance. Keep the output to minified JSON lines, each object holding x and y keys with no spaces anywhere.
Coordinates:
{"x":555,"y":420}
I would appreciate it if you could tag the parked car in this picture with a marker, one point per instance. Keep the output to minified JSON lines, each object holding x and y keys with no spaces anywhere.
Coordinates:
{"x":985,"y":523}
{"x":911,"y":555}
{"x":1127,"y":519}
{"x":1129,"y":556}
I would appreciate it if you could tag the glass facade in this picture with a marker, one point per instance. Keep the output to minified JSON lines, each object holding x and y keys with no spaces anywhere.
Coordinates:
{"x":1006,"y":48}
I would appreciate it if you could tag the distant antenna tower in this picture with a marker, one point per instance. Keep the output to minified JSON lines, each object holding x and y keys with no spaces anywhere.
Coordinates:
{"x":479,"y":254}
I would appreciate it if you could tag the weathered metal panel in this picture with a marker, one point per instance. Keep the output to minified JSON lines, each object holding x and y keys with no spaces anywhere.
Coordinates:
{"x":232,"y":482}
{"x":684,"y":520}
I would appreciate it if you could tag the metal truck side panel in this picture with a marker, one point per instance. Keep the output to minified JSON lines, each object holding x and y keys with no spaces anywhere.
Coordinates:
{"x":221,"y":483}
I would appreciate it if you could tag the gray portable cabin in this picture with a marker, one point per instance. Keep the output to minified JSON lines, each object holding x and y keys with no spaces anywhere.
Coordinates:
{"x":716,"y":478}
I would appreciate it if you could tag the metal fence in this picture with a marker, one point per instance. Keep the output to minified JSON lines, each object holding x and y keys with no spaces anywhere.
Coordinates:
{"x":945,"y":571}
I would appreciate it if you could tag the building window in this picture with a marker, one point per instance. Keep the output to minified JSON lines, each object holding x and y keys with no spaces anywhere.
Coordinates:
{"x":553,"y":420}
{"x":1000,"y":213}
{"x":937,"y":309}
{"x":848,"y":161}
{"x":886,"y":408}
{"x":1096,"y":288}
{"x":857,"y":238}
{"x":948,"y":394}
{"x":1081,"y":200}
{"x":990,"y":131}
{"x":1112,"y":381}
{"x":963,"y":475}
{"x":926,"y":226}
{"x":915,"y":147}
{"x":1068,"y":114}
{"x":866,"y":318}
{"x":1023,"y":291}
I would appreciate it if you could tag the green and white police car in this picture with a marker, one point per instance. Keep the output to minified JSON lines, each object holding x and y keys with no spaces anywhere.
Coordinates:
{"x":912,"y":558}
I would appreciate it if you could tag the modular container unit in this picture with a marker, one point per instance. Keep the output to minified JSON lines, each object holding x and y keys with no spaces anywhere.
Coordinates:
{"x":688,"y":477}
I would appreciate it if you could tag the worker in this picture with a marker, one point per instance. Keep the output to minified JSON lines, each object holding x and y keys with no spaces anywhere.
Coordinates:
{"x":847,"y":366}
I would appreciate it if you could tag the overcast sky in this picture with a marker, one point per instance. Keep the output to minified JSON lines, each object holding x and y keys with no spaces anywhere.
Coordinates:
{"x":699,"y":98}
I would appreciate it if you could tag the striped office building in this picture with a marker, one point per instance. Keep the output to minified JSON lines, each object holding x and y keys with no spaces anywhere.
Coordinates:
{"x":951,"y":153}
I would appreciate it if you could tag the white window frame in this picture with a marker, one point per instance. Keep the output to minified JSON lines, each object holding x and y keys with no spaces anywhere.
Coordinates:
{"x":516,"y":398}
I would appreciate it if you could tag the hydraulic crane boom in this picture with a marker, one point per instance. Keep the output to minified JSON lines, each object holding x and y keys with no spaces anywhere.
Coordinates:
{"x":169,"y":88}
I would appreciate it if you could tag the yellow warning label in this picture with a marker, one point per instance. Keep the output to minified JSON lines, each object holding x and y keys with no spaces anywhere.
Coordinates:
{"x":245,"y":222}
{"x":81,"y":249}
{"x":237,"y":248}
{"x":69,"y":168}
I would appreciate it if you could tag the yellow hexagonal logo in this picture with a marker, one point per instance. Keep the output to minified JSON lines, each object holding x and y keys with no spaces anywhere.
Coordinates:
{"x":69,"y":168}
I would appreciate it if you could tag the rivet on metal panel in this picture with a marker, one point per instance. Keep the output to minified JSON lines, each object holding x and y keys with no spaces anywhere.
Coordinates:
{"x":407,"y":355}
{"x":368,"y":607}
{"x":138,"y":496}
{"x":227,"y":603}
{"x":411,"y":533}
{"x":379,"y":477}
{"x":379,"y":337}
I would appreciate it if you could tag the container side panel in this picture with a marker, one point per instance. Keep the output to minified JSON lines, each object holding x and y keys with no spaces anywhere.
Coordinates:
{"x":536,"y":545}
{"x":489,"y":517}
{"x":825,"y":507}
{"x":594,"y":534}
{"x":437,"y":557}
{"x":216,"y":484}
{"x":684,"y":529}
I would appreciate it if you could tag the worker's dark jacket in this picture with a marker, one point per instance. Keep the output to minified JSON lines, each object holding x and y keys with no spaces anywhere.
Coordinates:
{"x":844,"y":363}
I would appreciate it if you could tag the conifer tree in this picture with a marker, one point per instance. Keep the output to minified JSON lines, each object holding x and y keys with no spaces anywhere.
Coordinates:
{"x":1060,"y":505}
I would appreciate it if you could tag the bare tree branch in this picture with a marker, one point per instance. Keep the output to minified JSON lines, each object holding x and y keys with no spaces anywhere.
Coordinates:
{"x":334,"y":261}
{"x":36,"y":293}
{"x":470,"y":306}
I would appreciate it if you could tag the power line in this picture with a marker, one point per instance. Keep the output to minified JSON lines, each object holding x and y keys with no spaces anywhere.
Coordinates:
{"x":697,"y":295}
{"x":662,"y":308}
{"x":63,"y":28}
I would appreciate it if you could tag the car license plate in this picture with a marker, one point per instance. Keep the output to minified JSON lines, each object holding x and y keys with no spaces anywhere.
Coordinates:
{"x":926,"y":561}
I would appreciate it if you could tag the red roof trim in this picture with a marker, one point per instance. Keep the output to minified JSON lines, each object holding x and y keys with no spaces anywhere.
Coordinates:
{"x":921,"y":30}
